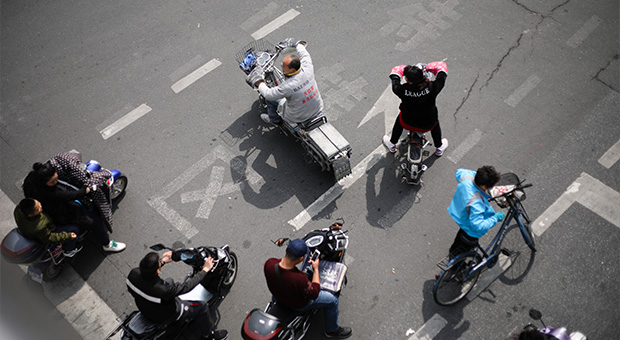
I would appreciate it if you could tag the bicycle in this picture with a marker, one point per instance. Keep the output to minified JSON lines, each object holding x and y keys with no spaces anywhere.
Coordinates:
{"x":459,"y":274}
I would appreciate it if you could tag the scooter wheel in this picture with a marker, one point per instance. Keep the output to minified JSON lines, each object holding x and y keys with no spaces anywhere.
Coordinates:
{"x":51,"y":272}
{"x":118,"y":188}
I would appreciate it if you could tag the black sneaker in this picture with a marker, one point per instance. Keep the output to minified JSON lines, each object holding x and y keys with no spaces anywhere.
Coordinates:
{"x":220,"y":334}
{"x":341,"y":333}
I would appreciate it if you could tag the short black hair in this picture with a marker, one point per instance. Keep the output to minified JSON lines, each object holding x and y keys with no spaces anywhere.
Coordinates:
{"x":414,"y":74}
{"x":149,"y":265}
{"x":487,"y":176}
{"x":295,"y":64}
{"x":27,"y":206}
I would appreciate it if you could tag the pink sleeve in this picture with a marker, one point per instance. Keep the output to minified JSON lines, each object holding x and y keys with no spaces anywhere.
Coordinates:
{"x":398,"y":70}
{"x":436,"y":67}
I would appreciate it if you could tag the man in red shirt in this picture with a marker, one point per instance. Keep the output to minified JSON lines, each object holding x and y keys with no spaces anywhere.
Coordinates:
{"x":293,"y":289}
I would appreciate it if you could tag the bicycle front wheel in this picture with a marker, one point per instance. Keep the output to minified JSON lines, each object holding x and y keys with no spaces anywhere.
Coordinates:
{"x":457,"y":280}
{"x":526,"y":231}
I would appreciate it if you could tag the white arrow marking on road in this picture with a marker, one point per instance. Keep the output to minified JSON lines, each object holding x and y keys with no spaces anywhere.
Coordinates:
{"x":430,"y":329}
{"x":158,"y":202}
{"x":388,"y":103}
{"x":208,"y":195}
{"x":589,"y":192}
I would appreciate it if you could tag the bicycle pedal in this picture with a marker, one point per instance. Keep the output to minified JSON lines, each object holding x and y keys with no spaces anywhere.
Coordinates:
{"x":506,"y":252}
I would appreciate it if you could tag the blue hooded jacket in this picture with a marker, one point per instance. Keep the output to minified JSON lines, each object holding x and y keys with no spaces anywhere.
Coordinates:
{"x":470,"y":208}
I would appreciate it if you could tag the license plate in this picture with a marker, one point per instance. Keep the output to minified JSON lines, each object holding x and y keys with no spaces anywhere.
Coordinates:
{"x":35,"y":274}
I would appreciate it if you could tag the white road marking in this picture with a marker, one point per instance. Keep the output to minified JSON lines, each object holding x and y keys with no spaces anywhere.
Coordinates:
{"x":584,"y":31}
{"x":158,"y":202}
{"x":195,"y":75}
{"x":124,"y":121}
{"x":275,"y":24}
{"x":525,"y":88}
{"x":80,"y":305}
{"x":388,"y":104}
{"x":337,"y":189}
{"x":430,"y":329}
{"x":469,"y":142}
{"x":611,"y":156}
{"x":589,"y":192}
{"x":208,"y":195}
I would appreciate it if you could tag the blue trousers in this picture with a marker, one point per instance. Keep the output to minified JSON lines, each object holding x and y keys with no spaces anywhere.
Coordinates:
{"x":329,"y":303}
{"x":272,"y":111}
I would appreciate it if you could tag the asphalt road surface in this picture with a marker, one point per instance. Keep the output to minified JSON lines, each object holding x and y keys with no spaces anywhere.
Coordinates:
{"x":152,"y":88}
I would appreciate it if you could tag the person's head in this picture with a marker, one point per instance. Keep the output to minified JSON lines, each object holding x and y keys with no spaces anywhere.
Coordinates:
{"x":415,"y":76}
{"x":30,"y":207}
{"x":150,"y":266}
{"x":45,"y":173}
{"x":486,"y":177}
{"x":291,"y":65}
{"x":533,"y":334}
{"x":296,"y":250}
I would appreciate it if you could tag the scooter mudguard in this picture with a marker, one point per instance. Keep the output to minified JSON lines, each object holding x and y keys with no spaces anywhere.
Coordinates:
{"x":115,"y":173}
{"x":259,"y":325}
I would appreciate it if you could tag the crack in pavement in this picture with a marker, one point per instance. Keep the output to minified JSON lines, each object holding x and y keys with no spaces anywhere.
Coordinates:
{"x":466,"y":96}
{"x":596,"y":76}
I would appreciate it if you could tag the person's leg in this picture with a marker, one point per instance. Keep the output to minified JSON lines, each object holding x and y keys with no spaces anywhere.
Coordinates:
{"x":436,"y":134}
{"x":99,"y":230}
{"x":462,"y":243}
{"x":329,"y":303}
{"x":272,"y":111}
{"x":198,"y":311}
{"x":397,"y":130}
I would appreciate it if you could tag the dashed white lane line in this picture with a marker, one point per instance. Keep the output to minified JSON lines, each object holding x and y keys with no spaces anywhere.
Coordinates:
{"x":430,"y":329}
{"x":266,"y":12}
{"x":584,"y":31}
{"x":530,"y":83}
{"x":275,"y":24}
{"x":124,"y":121}
{"x":469,"y":142}
{"x":195,"y":75}
{"x":80,"y":305}
{"x":337,"y":189}
{"x":611,"y":156}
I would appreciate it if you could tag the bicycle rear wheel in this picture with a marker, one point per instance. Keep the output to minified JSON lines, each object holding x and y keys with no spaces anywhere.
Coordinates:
{"x":457,"y":280}
{"x":526,"y":231}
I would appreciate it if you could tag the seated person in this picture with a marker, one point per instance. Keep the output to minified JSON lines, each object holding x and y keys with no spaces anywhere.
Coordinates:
{"x":292,"y":288}
{"x":158,"y":299}
{"x":33,"y":223}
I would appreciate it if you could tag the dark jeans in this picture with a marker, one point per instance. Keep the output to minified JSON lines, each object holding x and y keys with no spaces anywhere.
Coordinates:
{"x":462,"y":243}
{"x":329,"y":303}
{"x":397,"y":130}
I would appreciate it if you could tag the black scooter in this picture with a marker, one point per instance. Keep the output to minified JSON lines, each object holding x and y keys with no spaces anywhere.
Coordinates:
{"x":213,"y":289}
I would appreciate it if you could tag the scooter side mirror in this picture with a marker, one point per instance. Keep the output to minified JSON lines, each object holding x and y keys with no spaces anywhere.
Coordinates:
{"x":535,"y":314}
{"x":158,"y":247}
{"x":280,"y":242}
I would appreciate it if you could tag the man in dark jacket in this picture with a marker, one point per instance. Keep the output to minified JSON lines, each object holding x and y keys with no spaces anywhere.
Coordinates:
{"x":158,"y":299}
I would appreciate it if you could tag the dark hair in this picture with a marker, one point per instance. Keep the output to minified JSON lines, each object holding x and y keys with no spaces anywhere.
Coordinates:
{"x":27,"y":206}
{"x":295,"y":64}
{"x":416,"y":76}
{"x":487,"y":176}
{"x":149,"y":265}
{"x":44,"y":171}
{"x":40,"y":174}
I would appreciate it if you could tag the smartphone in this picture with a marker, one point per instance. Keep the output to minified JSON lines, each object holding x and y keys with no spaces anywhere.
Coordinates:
{"x":315,"y":255}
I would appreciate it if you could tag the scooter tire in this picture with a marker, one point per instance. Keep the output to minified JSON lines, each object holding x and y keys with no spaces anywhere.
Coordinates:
{"x":118,"y":188}
{"x":51,"y":272}
{"x":231,"y":275}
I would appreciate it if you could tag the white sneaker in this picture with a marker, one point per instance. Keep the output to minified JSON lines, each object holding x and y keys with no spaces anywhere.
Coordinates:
{"x":114,"y":246}
{"x":442,"y":148}
{"x":71,"y":253}
{"x":265,"y":118}
{"x":388,"y":144}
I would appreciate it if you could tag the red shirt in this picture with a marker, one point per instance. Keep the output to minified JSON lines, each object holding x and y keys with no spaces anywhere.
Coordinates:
{"x":298,"y":290}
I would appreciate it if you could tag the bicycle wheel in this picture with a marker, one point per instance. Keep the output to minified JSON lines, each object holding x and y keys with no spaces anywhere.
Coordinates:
{"x":457,"y":280}
{"x":526,"y":231}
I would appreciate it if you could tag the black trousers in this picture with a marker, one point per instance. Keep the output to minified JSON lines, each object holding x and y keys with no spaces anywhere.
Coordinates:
{"x":397,"y":130}
{"x":198,"y":311}
{"x":462,"y":243}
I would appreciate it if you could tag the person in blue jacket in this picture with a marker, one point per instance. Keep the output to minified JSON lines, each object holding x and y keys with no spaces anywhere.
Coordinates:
{"x":470,"y":208}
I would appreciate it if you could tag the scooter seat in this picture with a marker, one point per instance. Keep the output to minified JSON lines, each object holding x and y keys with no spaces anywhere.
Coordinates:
{"x":283,"y":313}
{"x":140,"y":325}
{"x":415,"y":148}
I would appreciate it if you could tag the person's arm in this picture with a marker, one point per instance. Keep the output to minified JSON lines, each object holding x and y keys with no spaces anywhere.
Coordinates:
{"x":396,"y":74}
{"x":477,"y":217}
{"x":70,"y":195}
{"x":48,"y":236}
{"x":440,"y":70}
{"x":273,"y":93}
{"x":304,"y":57}
{"x":176,"y":289}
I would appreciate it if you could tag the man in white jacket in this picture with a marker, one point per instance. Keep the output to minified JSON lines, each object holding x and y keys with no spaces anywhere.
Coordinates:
{"x":303,"y":100}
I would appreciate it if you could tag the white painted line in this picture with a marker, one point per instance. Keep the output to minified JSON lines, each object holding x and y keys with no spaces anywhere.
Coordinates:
{"x":430,"y":329}
{"x":337,"y":189}
{"x":611,"y":156}
{"x":261,"y":15}
{"x":194,"y":76}
{"x":525,"y":88}
{"x":124,"y":121}
{"x":275,"y":24}
{"x":584,"y":31}
{"x":469,"y":142}
{"x":388,"y":104}
{"x":589,"y":192}
{"x":80,"y":305}
{"x":489,"y":276}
